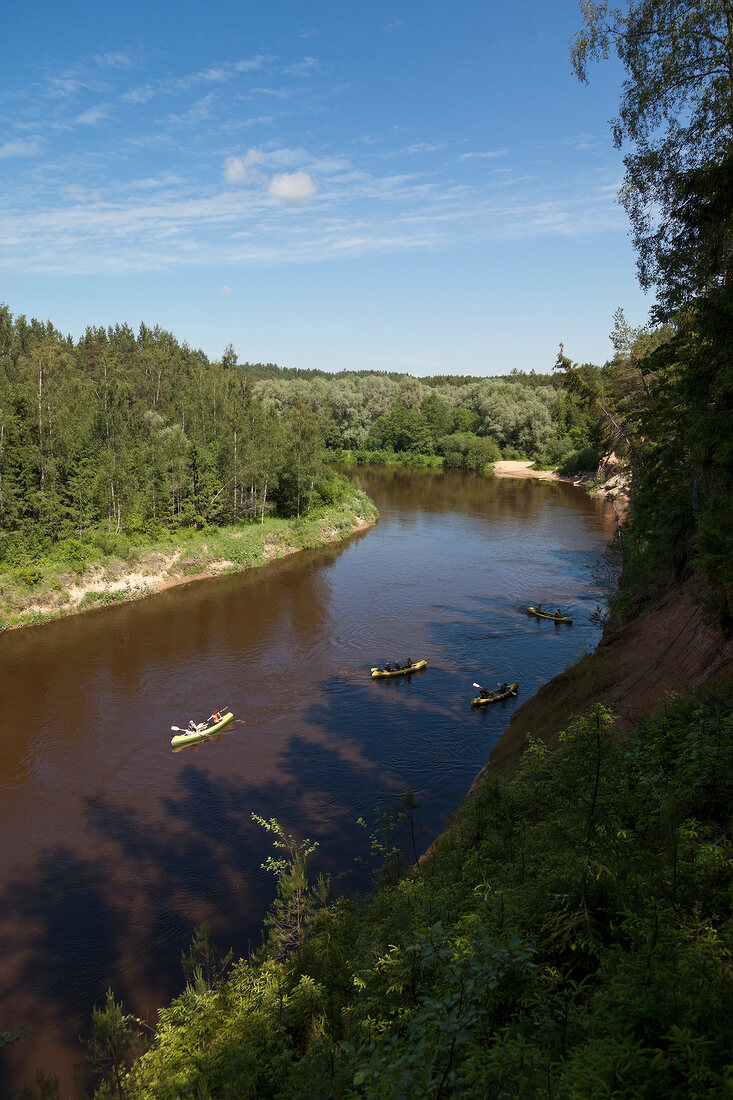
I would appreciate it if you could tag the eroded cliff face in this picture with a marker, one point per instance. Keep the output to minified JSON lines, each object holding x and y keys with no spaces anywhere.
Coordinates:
{"x":668,"y":648}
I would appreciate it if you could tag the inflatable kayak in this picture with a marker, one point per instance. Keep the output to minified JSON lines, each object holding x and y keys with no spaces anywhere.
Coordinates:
{"x":190,"y":737}
{"x":495,"y":696}
{"x":377,"y":673}
{"x":546,"y":615}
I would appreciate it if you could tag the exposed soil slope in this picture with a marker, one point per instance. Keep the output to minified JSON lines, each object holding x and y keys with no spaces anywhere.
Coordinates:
{"x":668,"y":648}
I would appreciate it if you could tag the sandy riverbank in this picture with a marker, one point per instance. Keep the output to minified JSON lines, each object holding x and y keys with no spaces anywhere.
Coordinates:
{"x":607,"y":482}
{"x":59,"y":593}
{"x":524,"y":470}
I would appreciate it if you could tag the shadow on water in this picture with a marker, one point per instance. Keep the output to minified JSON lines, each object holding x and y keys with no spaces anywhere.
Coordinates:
{"x":124,"y":847}
{"x":93,"y":928}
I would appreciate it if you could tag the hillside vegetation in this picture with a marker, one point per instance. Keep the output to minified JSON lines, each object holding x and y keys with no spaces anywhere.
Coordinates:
{"x":570,"y":936}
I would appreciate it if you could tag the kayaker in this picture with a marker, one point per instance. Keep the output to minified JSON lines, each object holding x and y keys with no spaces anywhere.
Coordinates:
{"x":484,"y":693}
{"x":539,"y":607}
{"x":192,"y":726}
{"x":504,"y":687}
{"x":408,"y":662}
{"x":558,"y":614}
{"x":216,"y":717}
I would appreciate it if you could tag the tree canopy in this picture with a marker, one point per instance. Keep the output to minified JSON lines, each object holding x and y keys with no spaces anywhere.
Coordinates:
{"x":676,"y":110}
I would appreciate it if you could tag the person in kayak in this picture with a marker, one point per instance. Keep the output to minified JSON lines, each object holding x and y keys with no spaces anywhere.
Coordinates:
{"x":504,"y":687}
{"x":558,"y":614}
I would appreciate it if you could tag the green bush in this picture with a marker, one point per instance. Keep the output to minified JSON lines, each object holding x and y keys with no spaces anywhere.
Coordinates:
{"x":29,"y":575}
{"x":584,"y":461}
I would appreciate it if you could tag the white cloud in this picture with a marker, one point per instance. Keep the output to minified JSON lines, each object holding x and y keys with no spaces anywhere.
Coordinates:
{"x":94,"y":115}
{"x":491,"y":155}
{"x":294,"y":188}
{"x":200,"y":111}
{"x":113,"y":60}
{"x":226,"y":290}
{"x":19,"y":149}
{"x":420,"y":147}
{"x":240,"y":170}
{"x":139,"y":95}
{"x":302,"y":68}
{"x":73,"y":193}
{"x":255,"y":62}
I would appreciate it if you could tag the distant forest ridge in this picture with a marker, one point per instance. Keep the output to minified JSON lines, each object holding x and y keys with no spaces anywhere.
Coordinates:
{"x":133,"y":433}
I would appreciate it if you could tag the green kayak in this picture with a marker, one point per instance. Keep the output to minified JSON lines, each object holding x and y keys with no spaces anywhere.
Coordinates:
{"x":546,"y":615}
{"x":191,"y":737}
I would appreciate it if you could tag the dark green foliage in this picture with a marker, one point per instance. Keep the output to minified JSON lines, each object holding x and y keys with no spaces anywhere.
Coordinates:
{"x":570,"y":937}
{"x":109,"y":1047}
{"x":581,"y":461}
{"x":202,"y":964}
{"x":466,"y":451}
{"x":677,"y":112}
{"x":682,"y":513}
{"x":129,"y":436}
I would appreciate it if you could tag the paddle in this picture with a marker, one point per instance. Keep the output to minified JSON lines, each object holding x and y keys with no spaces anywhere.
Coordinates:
{"x":497,"y":684}
{"x":177,"y":729}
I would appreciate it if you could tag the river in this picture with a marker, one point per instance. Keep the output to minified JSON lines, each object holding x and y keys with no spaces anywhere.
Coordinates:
{"x":116,"y":847}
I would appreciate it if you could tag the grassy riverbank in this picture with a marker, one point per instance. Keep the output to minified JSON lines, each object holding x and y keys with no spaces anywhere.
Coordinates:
{"x":79,"y":575}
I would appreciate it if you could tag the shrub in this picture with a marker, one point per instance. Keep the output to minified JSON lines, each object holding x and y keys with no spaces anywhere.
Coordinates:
{"x":581,"y":462}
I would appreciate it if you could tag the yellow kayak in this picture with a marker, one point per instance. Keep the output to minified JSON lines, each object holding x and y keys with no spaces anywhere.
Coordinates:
{"x":495,"y":696}
{"x":545,"y":615}
{"x":378,"y":673}
{"x":191,"y":737}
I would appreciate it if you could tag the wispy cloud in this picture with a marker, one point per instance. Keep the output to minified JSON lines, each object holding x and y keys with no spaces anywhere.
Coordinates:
{"x":490,"y":154}
{"x":142,"y":94}
{"x":117,"y":60}
{"x":19,"y":148}
{"x":94,"y":115}
{"x":242,"y":170}
{"x":420,"y":147}
{"x":71,"y":192}
{"x":306,"y":67}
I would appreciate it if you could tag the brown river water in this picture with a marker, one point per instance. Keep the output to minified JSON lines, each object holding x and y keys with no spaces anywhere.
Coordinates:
{"x":115,"y":848}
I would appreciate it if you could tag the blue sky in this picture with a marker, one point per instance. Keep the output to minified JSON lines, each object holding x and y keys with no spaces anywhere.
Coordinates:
{"x":414,"y":185}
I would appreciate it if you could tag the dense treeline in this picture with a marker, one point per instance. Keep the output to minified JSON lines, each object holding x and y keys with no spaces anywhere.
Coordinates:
{"x":134,"y":433}
{"x":570,"y":936}
{"x":463,"y":422}
{"x":676,"y":112}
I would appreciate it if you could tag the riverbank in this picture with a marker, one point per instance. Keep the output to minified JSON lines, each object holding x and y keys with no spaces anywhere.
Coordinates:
{"x":33,"y":595}
{"x":610,"y":480}
{"x":667,"y":650}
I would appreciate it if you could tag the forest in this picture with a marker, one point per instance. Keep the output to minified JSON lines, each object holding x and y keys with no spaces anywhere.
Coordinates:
{"x":121,"y":439}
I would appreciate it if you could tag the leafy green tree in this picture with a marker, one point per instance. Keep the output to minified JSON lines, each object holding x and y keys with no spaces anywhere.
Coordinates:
{"x":296,"y":899}
{"x":109,"y":1046}
{"x":437,"y":416}
{"x":677,"y":111}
